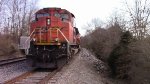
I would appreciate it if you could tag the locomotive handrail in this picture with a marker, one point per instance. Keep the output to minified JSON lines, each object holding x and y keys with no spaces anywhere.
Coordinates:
{"x":50,"y":30}
{"x":29,"y":37}
{"x":32,"y":33}
{"x":57,"y":33}
{"x":63,"y":35}
{"x":60,"y":32}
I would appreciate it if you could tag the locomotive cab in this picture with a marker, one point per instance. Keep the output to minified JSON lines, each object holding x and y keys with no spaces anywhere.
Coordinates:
{"x":53,"y":20}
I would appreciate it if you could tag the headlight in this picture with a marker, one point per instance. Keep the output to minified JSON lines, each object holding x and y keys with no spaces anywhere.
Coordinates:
{"x":34,"y":39}
{"x":48,"y":21}
{"x":56,"y":39}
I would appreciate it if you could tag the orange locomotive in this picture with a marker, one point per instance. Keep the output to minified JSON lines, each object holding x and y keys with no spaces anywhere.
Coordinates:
{"x":52,"y":36}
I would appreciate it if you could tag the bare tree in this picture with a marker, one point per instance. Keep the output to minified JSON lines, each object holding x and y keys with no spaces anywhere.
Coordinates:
{"x":93,"y":24}
{"x":1,"y":10}
{"x":96,"y":23}
{"x":139,"y":17}
{"x":16,"y":16}
{"x":117,"y":19}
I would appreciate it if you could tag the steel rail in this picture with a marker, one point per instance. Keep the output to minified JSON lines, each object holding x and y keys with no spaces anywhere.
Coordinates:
{"x":11,"y":60}
{"x":38,"y":79}
{"x":19,"y":78}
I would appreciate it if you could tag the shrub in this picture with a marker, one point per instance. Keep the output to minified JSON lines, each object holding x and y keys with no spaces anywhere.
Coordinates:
{"x":140,"y":62}
{"x":130,"y":60}
{"x":102,"y":41}
{"x":119,"y":58}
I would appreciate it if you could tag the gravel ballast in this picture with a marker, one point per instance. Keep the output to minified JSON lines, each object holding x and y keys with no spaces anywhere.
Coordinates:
{"x":81,"y":70}
{"x":10,"y":71}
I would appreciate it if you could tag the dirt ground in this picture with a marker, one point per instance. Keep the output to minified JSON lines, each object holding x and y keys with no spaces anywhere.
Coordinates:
{"x":82,"y":70}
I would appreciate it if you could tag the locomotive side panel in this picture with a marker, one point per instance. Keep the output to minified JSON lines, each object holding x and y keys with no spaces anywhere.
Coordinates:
{"x":71,"y":34}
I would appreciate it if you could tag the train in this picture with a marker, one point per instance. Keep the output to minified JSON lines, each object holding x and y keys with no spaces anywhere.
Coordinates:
{"x":53,"y":35}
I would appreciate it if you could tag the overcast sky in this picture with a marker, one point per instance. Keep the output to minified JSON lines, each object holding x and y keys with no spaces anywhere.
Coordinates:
{"x":85,"y":10}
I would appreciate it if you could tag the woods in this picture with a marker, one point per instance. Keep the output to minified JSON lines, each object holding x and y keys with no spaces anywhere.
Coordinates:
{"x":15,"y":16}
{"x":124,"y":44}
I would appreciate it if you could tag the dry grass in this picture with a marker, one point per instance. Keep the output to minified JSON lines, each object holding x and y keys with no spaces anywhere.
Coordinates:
{"x":7,"y":46}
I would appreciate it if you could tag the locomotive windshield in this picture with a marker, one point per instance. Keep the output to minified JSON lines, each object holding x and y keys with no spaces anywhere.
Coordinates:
{"x":42,"y":15}
{"x":57,"y":14}
{"x":64,"y":16}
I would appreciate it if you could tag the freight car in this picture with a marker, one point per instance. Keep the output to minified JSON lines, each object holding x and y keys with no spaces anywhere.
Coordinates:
{"x":52,"y":36}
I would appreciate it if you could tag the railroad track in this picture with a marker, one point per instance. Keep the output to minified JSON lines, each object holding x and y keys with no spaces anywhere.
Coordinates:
{"x":38,"y":76}
{"x":12,"y":60}
{"x":34,"y":77}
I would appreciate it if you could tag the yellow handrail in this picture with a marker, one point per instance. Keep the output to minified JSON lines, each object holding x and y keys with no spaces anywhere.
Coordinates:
{"x":58,"y":30}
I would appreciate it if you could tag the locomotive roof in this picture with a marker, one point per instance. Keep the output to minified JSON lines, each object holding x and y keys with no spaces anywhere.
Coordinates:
{"x":54,"y":8}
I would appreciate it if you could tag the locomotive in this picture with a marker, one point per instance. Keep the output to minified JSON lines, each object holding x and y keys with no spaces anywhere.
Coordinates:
{"x":52,"y":36}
